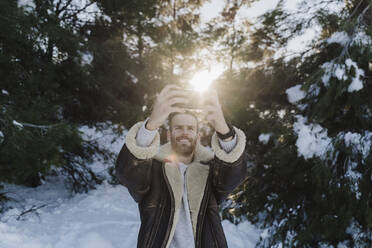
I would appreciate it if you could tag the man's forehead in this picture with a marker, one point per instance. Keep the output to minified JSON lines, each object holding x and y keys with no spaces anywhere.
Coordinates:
{"x":184,"y":120}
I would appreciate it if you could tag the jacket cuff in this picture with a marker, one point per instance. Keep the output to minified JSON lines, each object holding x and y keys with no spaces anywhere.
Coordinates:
{"x":237,"y":151}
{"x":138,"y":151}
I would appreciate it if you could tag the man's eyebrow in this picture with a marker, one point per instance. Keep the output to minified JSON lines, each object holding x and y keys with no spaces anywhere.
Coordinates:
{"x":185,"y":126}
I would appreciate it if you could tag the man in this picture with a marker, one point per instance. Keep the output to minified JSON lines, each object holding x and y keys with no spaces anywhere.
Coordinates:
{"x":179,"y":185}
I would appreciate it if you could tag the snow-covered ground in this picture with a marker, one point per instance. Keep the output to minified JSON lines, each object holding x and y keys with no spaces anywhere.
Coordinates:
{"x":103,"y":218}
{"x":107,"y":217}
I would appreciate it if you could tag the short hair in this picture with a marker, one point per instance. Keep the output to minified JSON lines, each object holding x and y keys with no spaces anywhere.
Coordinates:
{"x":187,"y":112}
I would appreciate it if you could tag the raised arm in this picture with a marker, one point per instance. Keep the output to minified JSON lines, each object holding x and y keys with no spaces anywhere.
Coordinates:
{"x":134,"y":163}
{"x":228,"y":168}
{"x":229,"y":165}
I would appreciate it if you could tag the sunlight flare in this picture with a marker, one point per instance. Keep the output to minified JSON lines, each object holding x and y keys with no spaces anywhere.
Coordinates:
{"x":202,"y":79}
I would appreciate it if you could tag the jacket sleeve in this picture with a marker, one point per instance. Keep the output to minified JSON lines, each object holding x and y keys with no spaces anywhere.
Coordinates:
{"x":228,"y":169}
{"x":133,"y":165}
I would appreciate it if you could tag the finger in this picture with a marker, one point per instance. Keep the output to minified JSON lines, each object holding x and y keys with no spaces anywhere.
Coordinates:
{"x":177,"y":109}
{"x":176,"y":93}
{"x":177,"y":100}
{"x":169,"y":88}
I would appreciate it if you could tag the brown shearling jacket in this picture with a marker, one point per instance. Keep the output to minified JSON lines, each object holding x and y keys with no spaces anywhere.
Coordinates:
{"x":155,"y":183}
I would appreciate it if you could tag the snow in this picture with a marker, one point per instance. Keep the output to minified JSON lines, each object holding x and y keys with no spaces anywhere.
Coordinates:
{"x":132,"y":77}
{"x":361,"y":38}
{"x":241,"y":235}
{"x":17,"y":124}
{"x":356,"y":83}
{"x":314,"y":90}
{"x":89,"y":13}
{"x":106,"y":217}
{"x":86,"y":58}
{"x":264,"y":138}
{"x":299,"y":43}
{"x":106,"y":18}
{"x":361,"y":143}
{"x":281,"y":113}
{"x":107,"y":140}
{"x":295,"y":93}
{"x":355,"y":176}
{"x":312,"y":139}
{"x":256,"y":9}
{"x":327,"y":67}
{"x":97,"y":219}
{"x":356,"y":231}
{"x":106,"y":135}
{"x":339,"y":37}
{"x":93,"y":239}
{"x":305,"y":11}
{"x":148,"y":41}
{"x":103,"y":218}
{"x":340,"y":72}
{"x":27,"y":5}
{"x":211,"y":9}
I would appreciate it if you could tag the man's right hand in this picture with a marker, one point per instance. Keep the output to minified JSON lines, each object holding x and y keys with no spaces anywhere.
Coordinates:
{"x":165,"y":103}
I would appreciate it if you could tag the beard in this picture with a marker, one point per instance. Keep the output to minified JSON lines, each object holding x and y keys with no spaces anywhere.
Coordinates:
{"x":184,"y":149}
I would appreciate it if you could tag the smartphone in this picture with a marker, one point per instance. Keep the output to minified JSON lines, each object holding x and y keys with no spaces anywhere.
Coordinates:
{"x":194,"y":100}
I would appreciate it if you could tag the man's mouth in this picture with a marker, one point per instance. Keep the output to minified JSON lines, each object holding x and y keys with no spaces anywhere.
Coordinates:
{"x":183,"y":140}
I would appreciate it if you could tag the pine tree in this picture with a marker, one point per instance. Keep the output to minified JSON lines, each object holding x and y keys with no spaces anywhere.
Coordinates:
{"x":317,"y":192}
{"x":59,"y":71}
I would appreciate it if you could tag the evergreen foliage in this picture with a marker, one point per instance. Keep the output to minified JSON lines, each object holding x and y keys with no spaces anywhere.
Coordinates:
{"x":64,"y":64}
{"x":59,"y":71}
{"x":306,"y":199}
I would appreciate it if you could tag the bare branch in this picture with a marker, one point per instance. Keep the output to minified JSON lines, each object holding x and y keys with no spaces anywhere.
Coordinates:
{"x":64,"y":17}
{"x":64,"y":7}
{"x":57,"y":7}
{"x":33,"y":209}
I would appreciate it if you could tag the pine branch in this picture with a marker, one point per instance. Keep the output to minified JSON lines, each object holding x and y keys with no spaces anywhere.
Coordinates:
{"x":356,"y":9}
{"x":368,"y":79}
{"x":345,"y":51}
{"x":41,"y":126}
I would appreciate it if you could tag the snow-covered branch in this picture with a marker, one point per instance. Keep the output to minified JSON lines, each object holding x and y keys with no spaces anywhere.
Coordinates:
{"x":40,"y":126}
{"x":359,"y":19}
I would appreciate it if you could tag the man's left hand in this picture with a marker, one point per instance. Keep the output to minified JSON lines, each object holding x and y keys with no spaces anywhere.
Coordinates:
{"x":214,"y":114}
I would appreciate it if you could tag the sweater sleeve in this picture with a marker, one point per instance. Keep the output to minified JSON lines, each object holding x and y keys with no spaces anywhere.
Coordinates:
{"x":144,"y":136}
{"x":228,"y":146}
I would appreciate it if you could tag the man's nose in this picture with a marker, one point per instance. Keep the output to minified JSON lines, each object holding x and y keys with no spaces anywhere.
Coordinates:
{"x":185,"y":132}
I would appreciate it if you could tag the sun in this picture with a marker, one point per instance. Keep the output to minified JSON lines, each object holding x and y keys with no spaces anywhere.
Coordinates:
{"x":202,"y":79}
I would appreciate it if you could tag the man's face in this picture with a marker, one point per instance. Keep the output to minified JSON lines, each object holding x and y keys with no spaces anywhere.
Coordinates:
{"x":183,"y":134}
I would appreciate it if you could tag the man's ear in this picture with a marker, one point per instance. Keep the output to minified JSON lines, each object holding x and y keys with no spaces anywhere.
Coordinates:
{"x":168,"y":135}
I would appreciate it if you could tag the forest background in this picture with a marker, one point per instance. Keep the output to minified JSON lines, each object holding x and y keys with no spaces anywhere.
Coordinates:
{"x":307,"y":112}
